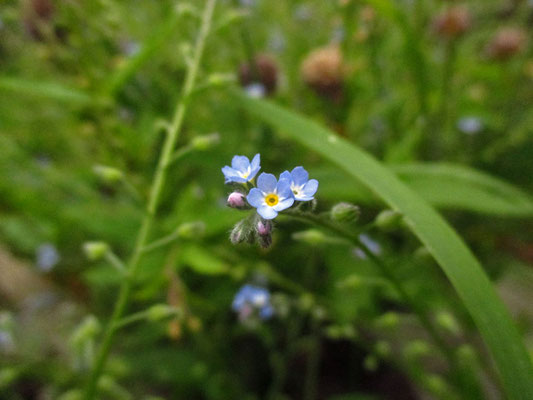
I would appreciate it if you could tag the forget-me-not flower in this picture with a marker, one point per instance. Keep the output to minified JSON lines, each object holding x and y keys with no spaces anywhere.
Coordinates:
{"x":242,"y":170}
{"x":302,"y":188}
{"x":270,"y":196}
{"x":252,"y":298}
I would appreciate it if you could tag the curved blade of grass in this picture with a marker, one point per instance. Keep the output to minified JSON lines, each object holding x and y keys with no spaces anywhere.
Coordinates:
{"x":51,"y":90}
{"x":458,"y":187}
{"x":459,"y":264}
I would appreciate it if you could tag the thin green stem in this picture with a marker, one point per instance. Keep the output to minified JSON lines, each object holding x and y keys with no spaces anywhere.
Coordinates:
{"x":153,"y":202}
{"x":180,"y":153}
{"x":115,"y":261}
{"x":161,"y":242}
{"x":464,"y":378}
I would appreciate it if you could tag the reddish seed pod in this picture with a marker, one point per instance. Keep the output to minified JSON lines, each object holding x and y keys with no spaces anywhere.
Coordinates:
{"x":453,"y":23}
{"x":264,"y":71}
{"x":506,"y":43}
{"x":323,"y":70}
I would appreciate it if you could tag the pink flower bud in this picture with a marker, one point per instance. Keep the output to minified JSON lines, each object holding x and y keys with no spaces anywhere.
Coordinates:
{"x":236,"y":200}
{"x":264,"y":228}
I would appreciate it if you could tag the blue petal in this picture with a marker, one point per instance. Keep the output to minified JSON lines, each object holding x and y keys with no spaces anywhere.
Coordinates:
{"x":267,"y":182}
{"x":241,"y":297}
{"x":240,"y":163}
{"x":299,"y":176}
{"x":283,"y":204}
{"x":267,"y":212}
{"x":255,"y":164}
{"x":231,"y":175}
{"x":255,"y":198}
{"x":286,"y":176}
{"x":253,"y":173}
{"x":266,"y":312}
{"x":283,"y":188}
{"x":310,"y":188}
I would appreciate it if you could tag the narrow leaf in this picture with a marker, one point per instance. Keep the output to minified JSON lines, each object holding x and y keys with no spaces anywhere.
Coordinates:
{"x":459,"y":264}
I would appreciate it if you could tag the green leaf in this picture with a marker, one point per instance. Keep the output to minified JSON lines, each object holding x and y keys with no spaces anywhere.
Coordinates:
{"x":457,"y":187}
{"x":203,"y":262}
{"x":45,"y":89}
{"x":459,"y":264}
{"x":444,"y":186}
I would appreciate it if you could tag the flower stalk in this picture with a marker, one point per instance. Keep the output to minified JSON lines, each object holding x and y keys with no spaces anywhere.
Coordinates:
{"x":153,"y":202}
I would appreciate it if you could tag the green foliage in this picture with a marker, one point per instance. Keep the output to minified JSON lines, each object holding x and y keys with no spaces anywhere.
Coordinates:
{"x":450,"y":252}
{"x":88,"y":91}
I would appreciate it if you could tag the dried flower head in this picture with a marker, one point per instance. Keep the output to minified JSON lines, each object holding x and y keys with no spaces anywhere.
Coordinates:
{"x":323,"y":71}
{"x":506,"y":43}
{"x":453,"y":22}
{"x":37,"y":13}
{"x":264,"y":71}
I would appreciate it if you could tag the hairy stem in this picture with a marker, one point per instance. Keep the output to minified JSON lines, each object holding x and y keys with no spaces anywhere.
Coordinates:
{"x":153,"y":202}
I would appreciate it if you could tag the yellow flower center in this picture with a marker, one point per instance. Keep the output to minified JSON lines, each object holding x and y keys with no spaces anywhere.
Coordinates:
{"x":272,"y":199}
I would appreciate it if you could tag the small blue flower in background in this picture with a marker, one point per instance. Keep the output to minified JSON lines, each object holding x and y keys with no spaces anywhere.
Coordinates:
{"x":255,"y":90}
{"x":47,"y":257}
{"x":470,"y":125}
{"x":302,"y":187}
{"x":270,"y":196}
{"x":241,"y":170}
{"x":250,"y":299}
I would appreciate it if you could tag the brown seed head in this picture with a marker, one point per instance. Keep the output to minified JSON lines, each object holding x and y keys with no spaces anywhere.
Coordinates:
{"x":453,"y":23}
{"x":264,"y":71}
{"x":323,"y":71}
{"x":506,"y":43}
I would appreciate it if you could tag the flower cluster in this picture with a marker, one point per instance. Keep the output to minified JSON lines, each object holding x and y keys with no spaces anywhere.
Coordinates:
{"x":252,"y":301}
{"x":271,"y":195}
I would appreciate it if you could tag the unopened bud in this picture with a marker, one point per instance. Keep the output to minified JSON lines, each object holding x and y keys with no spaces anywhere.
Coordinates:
{"x":388,"y":220}
{"x":85,"y":331}
{"x":466,"y":354}
{"x":265,"y":241}
{"x":264,"y":227}
{"x":205,"y":142}
{"x":237,"y":200}
{"x":194,"y":324}
{"x":95,"y":250}
{"x":238,"y":233}
{"x":416,"y":349}
{"x":8,"y":376}
{"x":448,"y":322}
{"x":383,"y":349}
{"x":310,"y":236}
{"x":191,"y":230}
{"x":437,"y":385}
{"x":422,"y":254}
{"x":108,"y":174}
{"x":306,"y":301}
{"x":389,"y":320}
{"x":345,"y":212}
{"x":160,"y":311}
{"x":218,"y":79}
{"x":185,"y":9}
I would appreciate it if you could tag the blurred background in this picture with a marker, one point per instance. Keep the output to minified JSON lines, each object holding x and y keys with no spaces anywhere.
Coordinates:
{"x":425,"y":86}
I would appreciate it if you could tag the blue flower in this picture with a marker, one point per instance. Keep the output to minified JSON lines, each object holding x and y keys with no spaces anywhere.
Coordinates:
{"x":250,"y":299}
{"x":241,"y":170}
{"x":47,"y":257}
{"x":270,"y":196}
{"x":302,"y":188}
